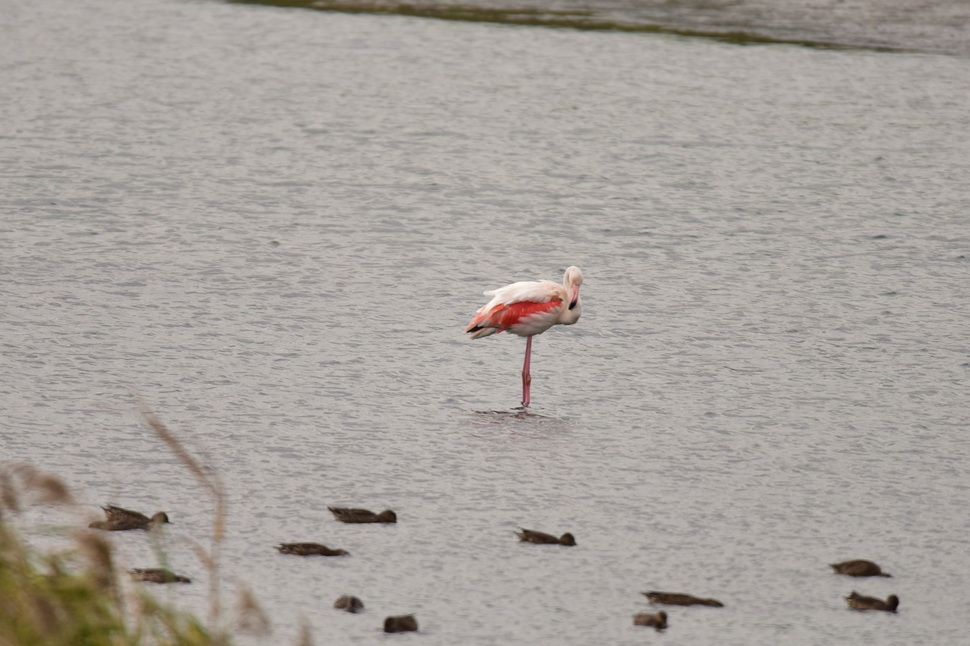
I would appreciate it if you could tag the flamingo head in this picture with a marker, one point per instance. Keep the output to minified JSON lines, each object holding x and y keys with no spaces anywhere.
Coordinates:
{"x":571,"y":280}
{"x":570,"y":283}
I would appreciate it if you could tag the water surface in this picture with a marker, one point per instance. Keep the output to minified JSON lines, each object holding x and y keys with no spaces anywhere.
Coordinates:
{"x":273,"y":225}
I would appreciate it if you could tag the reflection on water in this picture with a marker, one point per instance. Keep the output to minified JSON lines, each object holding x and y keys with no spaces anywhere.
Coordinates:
{"x":515,"y":414}
{"x":519,"y":424}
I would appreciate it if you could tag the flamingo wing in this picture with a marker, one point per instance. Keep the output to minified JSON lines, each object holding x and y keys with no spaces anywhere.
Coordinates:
{"x":525,"y":308}
{"x":524,"y":318}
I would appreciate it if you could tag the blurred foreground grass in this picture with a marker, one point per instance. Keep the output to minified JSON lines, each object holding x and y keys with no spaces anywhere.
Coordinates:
{"x":74,"y":597}
{"x":79,"y":596}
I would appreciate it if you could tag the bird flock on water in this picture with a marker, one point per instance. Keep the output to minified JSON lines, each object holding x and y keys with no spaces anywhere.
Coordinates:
{"x":408,"y":623}
{"x":526,"y":308}
{"x":121,"y":519}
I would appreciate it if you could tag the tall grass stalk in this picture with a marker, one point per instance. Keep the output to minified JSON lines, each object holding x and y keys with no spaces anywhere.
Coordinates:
{"x":209,"y":480}
{"x":74,"y":597}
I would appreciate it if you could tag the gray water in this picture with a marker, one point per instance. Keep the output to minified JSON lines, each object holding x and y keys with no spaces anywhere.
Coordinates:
{"x":272,"y":226}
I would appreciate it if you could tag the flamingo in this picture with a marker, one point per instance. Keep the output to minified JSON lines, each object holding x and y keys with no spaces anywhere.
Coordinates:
{"x":529,"y":308}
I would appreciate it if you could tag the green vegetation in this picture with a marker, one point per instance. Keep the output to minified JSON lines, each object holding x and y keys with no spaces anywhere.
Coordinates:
{"x":74,"y":597}
{"x":79,"y":596}
{"x":584,"y":19}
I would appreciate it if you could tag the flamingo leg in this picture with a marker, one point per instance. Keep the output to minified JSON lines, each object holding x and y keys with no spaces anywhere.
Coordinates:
{"x":526,"y":373}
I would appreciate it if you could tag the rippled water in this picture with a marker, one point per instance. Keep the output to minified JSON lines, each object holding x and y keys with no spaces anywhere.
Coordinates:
{"x":273,"y":225}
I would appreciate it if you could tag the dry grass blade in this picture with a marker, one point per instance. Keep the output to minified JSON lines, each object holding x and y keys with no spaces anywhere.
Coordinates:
{"x":207,"y":478}
{"x":250,"y":616}
{"x":304,"y":638}
{"x":210,"y":481}
{"x":8,"y":491}
{"x":18,"y":479}
{"x":43,"y":615}
{"x":49,"y":489}
{"x":203,"y":555}
{"x":98,"y":552}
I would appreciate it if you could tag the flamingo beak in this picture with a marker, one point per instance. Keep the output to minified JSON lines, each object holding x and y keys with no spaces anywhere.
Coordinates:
{"x":574,"y":300}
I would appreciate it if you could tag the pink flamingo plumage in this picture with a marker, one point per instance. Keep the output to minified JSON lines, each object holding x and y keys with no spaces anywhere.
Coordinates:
{"x":529,"y":308}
